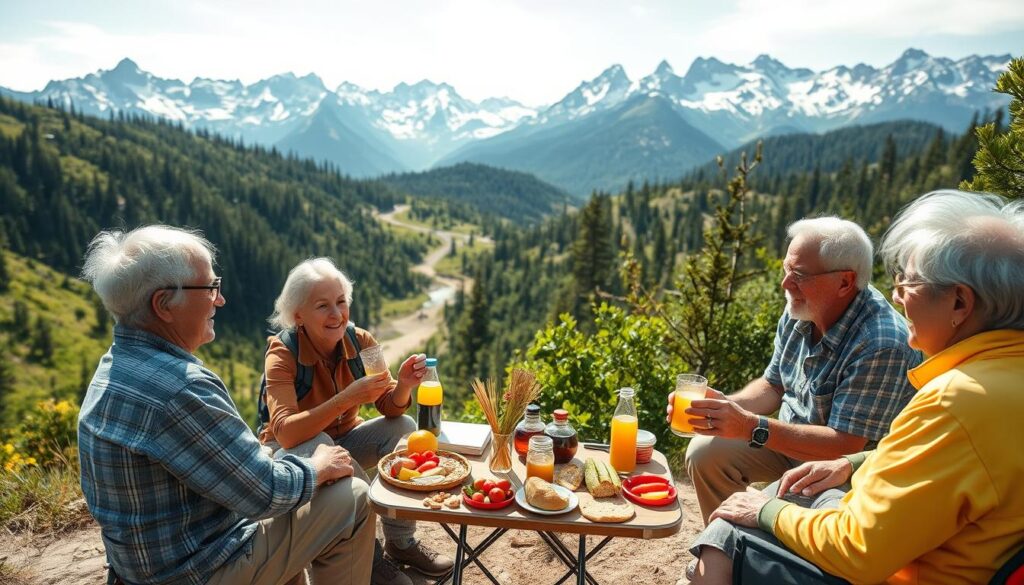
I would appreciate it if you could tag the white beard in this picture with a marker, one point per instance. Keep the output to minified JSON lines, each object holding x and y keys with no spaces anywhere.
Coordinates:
{"x":801,"y":312}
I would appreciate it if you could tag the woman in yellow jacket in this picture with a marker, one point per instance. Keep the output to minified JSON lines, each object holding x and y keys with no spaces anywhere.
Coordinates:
{"x":941,"y":498}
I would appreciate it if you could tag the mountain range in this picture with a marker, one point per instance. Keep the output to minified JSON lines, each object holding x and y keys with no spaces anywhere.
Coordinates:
{"x":605,"y":132}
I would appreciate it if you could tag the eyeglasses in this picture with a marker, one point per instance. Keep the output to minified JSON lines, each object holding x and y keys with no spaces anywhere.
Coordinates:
{"x":799,"y":277}
{"x":899,"y":284}
{"x":214,"y":287}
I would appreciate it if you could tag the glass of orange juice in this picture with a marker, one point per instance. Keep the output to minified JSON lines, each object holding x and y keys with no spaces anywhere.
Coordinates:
{"x":689,"y":387}
{"x":540,"y":458}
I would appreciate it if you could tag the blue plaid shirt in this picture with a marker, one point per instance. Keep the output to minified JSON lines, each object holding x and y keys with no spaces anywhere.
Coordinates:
{"x":170,"y":471}
{"x":855,"y":378}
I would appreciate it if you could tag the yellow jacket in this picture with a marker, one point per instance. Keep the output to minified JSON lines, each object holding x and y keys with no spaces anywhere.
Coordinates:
{"x":941,"y":499}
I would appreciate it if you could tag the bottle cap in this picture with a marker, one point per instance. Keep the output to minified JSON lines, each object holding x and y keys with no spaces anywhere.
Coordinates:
{"x":431,"y":362}
{"x":561,"y":415}
{"x":532,"y":409}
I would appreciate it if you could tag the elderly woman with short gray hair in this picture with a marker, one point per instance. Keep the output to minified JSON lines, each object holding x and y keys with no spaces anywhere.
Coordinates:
{"x":313,"y":311}
{"x":939,"y":499}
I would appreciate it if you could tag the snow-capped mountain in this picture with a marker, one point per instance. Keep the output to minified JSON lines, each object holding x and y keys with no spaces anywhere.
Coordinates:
{"x":718,"y":104}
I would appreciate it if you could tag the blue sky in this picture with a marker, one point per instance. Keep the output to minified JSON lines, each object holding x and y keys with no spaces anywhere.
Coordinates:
{"x":531,"y":50}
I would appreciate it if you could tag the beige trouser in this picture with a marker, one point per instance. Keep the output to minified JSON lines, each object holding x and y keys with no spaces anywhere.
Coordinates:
{"x":333,"y":532}
{"x":720,"y":467}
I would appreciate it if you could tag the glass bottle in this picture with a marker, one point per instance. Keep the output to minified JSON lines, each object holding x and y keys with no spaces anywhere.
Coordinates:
{"x":563,"y":436}
{"x":540,"y":458}
{"x":530,"y":425}
{"x":429,"y":397}
{"x":622,"y":454}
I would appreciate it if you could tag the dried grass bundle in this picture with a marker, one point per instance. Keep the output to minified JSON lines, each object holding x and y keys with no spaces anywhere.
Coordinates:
{"x":503,"y":411}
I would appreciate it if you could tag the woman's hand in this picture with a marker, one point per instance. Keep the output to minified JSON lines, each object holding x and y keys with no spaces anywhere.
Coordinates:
{"x":742,"y":508}
{"x":814,"y":477}
{"x":412,"y":370}
{"x":366,"y":390}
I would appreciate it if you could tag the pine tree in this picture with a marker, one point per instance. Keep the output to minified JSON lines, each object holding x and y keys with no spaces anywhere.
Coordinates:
{"x":593,"y":254}
{"x":5,"y":276}
{"x":6,"y":378}
{"x":1000,"y":158}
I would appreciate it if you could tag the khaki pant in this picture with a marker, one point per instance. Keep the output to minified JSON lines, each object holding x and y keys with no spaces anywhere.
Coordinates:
{"x":333,"y":533}
{"x":720,"y":467}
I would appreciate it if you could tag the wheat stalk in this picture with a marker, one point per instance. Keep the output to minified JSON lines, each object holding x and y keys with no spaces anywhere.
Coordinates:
{"x":504,"y":411}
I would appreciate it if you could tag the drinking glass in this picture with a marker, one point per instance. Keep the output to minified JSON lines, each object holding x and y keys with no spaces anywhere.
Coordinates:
{"x":373,"y":360}
{"x":689,"y":387}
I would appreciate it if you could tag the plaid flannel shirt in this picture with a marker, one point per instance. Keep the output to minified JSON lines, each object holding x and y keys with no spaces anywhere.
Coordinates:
{"x":855,"y":378}
{"x":172,"y":474}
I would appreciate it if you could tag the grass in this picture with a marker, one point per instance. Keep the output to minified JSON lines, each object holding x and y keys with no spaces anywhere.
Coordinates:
{"x":452,"y":265}
{"x":43,"y":500}
{"x":399,"y":307}
{"x":459,"y":228}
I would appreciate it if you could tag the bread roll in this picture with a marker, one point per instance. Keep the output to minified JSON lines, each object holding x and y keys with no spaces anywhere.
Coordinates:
{"x":541,"y":494}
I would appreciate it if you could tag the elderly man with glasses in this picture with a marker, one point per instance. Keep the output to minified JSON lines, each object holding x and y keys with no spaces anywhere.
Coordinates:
{"x":837,"y":377}
{"x":178,"y":483}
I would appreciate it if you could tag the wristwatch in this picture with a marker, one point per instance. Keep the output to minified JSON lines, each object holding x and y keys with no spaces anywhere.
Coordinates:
{"x":760,"y":435}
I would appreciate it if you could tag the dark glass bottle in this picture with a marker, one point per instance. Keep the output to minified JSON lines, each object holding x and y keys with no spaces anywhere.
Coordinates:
{"x":563,"y":437}
{"x":530,"y":425}
{"x":429,"y":398}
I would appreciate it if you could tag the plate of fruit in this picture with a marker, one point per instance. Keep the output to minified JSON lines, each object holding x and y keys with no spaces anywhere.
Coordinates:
{"x":648,"y":489}
{"x":423,"y":470}
{"x":488,"y":494}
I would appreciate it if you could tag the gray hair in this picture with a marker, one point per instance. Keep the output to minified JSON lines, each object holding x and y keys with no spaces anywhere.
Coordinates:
{"x":126,"y":268}
{"x":842,"y":245}
{"x":975,"y":239}
{"x":300,"y":281}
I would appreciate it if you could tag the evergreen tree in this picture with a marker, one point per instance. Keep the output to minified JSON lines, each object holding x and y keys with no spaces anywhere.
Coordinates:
{"x":5,"y":276}
{"x":593,"y":253}
{"x":42,"y":341}
{"x":1000,"y":158}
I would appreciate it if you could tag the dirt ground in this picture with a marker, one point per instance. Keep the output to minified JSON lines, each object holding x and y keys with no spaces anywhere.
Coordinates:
{"x":518,"y":557}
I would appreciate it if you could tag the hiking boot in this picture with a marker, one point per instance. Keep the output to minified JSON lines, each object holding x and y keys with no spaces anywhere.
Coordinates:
{"x":691,"y":569}
{"x":385,"y":571}
{"x":420,"y":557}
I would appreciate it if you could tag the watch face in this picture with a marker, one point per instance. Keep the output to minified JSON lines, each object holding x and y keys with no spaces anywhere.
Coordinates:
{"x":760,"y":436}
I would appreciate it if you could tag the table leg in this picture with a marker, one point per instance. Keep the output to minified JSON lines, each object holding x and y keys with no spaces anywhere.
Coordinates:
{"x":581,"y":561}
{"x":472,"y":553}
{"x":570,"y":560}
{"x":457,"y":569}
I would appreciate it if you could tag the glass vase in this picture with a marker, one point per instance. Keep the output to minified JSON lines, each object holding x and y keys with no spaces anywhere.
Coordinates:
{"x":500,"y":460}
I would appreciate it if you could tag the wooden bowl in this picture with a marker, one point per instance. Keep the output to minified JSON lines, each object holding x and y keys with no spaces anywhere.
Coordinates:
{"x":459,"y":470}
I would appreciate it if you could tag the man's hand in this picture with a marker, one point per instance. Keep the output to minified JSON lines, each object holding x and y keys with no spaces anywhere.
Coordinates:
{"x":331,"y":463}
{"x":717,"y":416}
{"x":366,"y":390}
{"x":412,"y":370}
{"x":814,"y":477}
{"x":742,"y":508}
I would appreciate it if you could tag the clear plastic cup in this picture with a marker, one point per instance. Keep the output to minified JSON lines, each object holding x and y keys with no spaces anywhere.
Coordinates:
{"x":373,"y":360}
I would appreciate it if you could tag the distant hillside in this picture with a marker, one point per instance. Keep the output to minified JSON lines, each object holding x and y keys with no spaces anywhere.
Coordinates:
{"x":511,"y":194}
{"x":643,"y":138}
{"x":64,"y":176}
{"x":53,"y":331}
{"x":802,"y":152}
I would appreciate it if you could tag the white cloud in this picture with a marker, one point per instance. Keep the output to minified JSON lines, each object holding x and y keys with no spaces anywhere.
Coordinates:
{"x":531,"y":50}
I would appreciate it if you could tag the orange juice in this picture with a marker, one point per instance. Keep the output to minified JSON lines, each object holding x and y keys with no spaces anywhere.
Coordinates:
{"x":623,"y":444}
{"x":430,"y":393}
{"x":681,"y":401}
{"x":542,"y":469}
